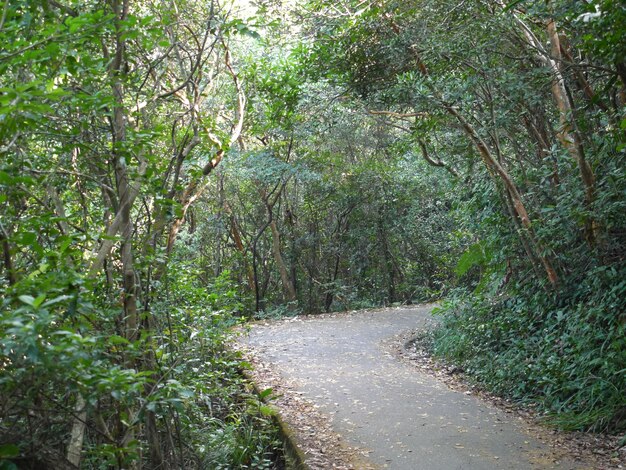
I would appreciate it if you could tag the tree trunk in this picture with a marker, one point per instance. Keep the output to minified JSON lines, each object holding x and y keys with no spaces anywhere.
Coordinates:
{"x":568,"y":135}
{"x":492,"y":164}
{"x":288,"y":288}
{"x":7,"y":258}
{"x":126,"y":224}
{"x":511,"y":187}
{"x":197,"y":185}
{"x":330,"y":295}
{"x":75,"y":446}
{"x":126,"y":195}
{"x":235,"y":233}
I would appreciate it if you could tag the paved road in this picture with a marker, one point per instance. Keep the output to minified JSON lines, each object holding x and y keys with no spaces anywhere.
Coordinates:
{"x":406,"y":419}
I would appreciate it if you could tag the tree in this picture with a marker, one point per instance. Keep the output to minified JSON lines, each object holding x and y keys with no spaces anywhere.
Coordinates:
{"x":113,"y":116}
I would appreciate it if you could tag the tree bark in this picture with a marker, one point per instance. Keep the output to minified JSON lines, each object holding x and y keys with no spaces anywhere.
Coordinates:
{"x":568,"y":135}
{"x":75,"y":446}
{"x":516,"y":198}
{"x":7,"y":258}
{"x":288,"y":288}
{"x":235,"y":233}
{"x":196,"y":186}
{"x":492,"y":164}
{"x":438,"y":162}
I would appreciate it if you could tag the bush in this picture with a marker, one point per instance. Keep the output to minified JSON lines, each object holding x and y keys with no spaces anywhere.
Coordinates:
{"x":563,"y":353}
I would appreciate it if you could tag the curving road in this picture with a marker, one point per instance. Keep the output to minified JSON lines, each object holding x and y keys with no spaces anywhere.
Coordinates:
{"x":403,"y":418}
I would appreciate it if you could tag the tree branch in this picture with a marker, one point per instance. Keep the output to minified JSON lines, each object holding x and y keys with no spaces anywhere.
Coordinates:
{"x":438,"y":162}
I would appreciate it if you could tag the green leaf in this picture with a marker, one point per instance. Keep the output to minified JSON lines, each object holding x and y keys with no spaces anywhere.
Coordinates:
{"x":27,"y":238}
{"x":5,"y":178}
{"x":39,"y":300}
{"x":186,"y":393}
{"x":6,"y":465}
{"x":8,"y":451}
{"x":28,"y":300}
{"x":473,"y":256}
{"x":116,"y":339}
{"x":266,"y":393}
{"x":266,"y":410}
{"x":512,"y":5}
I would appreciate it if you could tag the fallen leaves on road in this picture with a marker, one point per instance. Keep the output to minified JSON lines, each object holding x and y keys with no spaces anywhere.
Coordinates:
{"x":311,"y":430}
{"x":607,"y":452}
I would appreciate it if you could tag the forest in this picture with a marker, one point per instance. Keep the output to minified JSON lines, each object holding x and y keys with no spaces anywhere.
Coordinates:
{"x":172,"y":169}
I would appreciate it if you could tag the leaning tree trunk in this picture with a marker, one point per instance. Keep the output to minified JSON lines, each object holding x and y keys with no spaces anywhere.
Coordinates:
{"x":492,"y":164}
{"x":289,"y":290}
{"x":568,"y":134}
{"x":512,"y":190}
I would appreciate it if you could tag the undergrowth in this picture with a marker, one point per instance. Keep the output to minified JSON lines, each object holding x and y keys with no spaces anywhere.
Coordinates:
{"x":224,"y":424}
{"x":564,"y":354}
{"x":193,"y":395}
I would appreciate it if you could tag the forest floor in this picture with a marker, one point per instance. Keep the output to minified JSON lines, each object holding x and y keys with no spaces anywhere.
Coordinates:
{"x":355,"y":393}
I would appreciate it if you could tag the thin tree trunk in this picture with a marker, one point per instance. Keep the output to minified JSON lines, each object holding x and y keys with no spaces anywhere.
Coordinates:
{"x":126,"y":225}
{"x":75,"y":446}
{"x":387,"y":263}
{"x":491,"y":163}
{"x":436,"y":162}
{"x":126,"y":195}
{"x":568,"y":135}
{"x":511,"y":187}
{"x":288,"y":288}
{"x":581,"y":80}
{"x":620,"y":66}
{"x":8,"y":260}
{"x":236,"y":234}
{"x":328,"y":301}
{"x":196,"y":186}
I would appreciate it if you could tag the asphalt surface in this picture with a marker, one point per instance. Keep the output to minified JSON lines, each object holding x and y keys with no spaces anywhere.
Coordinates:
{"x":403,"y":418}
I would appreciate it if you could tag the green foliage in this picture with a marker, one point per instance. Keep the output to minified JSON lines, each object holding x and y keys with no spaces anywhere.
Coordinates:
{"x":278,"y":312}
{"x":385,"y":157}
{"x":474,"y":256}
{"x":600,"y":23}
{"x":241,"y":445}
{"x":224,"y":424}
{"x":86,"y":118}
{"x":564,"y":355}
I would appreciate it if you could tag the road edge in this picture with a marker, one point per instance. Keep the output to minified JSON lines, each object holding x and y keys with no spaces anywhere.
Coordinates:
{"x":295,"y":458}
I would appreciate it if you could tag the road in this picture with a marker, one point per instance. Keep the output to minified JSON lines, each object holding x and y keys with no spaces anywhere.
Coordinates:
{"x":399,"y":416}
